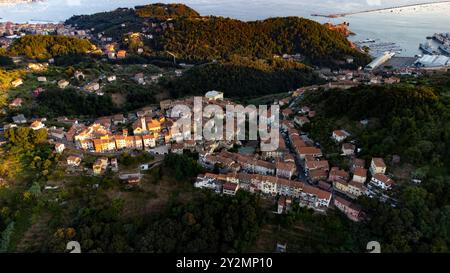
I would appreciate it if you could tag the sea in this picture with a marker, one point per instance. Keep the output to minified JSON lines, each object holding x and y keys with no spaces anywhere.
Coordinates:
{"x":406,"y":27}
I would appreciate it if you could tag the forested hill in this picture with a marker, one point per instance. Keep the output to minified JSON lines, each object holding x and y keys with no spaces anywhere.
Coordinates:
{"x":166,"y":11}
{"x":218,"y":38}
{"x":48,"y":46}
{"x":193,"y":37}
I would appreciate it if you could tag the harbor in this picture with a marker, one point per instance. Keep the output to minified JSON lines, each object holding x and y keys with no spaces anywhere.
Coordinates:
{"x":435,"y":54}
{"x":377,"y":48}
{"x":437,"y":44}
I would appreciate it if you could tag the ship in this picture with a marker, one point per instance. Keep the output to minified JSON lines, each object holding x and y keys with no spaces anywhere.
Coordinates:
{"x":368,"y":40}
{"x":445,"y":48}
{"x":426,"y":48}
{"x":442,"y":38}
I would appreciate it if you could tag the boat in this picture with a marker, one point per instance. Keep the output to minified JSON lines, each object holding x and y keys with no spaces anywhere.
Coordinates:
{"x":441,"y":37}
{"x":445,"y":48}
{"x":368,"y":40}
{"x":426,"y":48}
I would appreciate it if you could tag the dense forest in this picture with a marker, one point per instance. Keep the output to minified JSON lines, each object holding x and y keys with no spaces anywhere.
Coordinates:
{"x":166,"y":11}
{"x":109,"y":22}
{"x":133,"y":19}
{"x":208,"y":224}
{"x":55,"y":102}
{"x":196,"y":38}
{"x":410,"y":120}
{"x":48,"y":46}
{"x":216,"y":38}
{"x":240,"y":81}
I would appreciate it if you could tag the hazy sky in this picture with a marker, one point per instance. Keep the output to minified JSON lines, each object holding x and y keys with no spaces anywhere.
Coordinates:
{"x":242,"y":9}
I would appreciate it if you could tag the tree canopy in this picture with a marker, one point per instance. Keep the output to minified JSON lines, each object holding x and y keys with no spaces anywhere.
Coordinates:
{"x":238,"y":81}
{"x":166,"y":11}
{"x":217,"y":38}
{"x":49,"y":46}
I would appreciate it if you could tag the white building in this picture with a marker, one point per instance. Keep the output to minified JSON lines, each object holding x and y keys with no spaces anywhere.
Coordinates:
{"x":377,"y":166}
{"x":382,"y":181}
{"x":63,"y":84}
{"x":340,"y":135}
{"x":111,"y":78}
{"x":433,"y":61}
{"x":380,"y":60}
{"x":41,"y":79}
{"x":59,"y":148}
{"x":214,"y":95}
{"x":74,"y":161}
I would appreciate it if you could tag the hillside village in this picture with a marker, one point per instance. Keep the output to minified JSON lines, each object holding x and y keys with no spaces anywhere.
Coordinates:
{"x":97,"y":127}
{"x":297,"y":171}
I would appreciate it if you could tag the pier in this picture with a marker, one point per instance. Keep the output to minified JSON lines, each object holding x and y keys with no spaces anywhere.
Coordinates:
{"x":337,"y":15}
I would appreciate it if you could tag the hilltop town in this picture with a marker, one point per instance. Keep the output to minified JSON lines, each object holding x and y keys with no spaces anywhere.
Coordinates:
{"x":88,"y":128}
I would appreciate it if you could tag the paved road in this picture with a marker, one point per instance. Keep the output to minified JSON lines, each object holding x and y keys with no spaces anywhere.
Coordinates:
{"x":300,"y":171}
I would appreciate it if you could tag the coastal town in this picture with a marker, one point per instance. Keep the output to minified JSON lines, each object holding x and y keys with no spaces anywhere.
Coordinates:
{"x":90,"y":125}
{"x":297,"y":171}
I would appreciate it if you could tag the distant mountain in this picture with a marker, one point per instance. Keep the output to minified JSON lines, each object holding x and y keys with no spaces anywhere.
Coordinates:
{"x":17,"y":1}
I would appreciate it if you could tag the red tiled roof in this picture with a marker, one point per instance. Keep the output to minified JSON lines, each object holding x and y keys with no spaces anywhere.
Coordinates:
{"x":383,"y":178}
{"x":230,"y":186}
{"x":379,"y":162}
{"x":360,"y":172}
{"x":309,"y":151}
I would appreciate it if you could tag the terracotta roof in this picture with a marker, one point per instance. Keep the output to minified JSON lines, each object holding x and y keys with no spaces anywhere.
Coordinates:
{"x":346,"y":203}
{"x":360,"y":172}
{"x":340,"y":133}
{"x":317,"y":164}
{"x":379,"y":162}
{"x":265,"y":164}
{"x":383,"y":178}
{"x":309,"y":151}
{"x":356,"y":184}
{"x":285,"y":166}
{"x":318,"y":173}
{"x":230,"y":186}
{"x":335,"y":171}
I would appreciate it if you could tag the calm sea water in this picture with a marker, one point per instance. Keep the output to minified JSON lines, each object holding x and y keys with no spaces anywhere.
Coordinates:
{"x":407,"y":27}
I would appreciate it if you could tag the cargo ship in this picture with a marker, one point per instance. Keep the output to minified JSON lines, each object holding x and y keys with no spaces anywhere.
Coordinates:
{"x":442,"y":38}
{"x":426,"y":48}
{"x":445,"y":48}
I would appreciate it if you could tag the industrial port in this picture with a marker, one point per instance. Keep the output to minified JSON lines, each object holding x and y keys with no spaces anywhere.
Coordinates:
{"x":377,"y":48}
{"x":436,"y":53}
{"x":443,"y":41}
